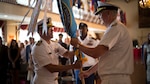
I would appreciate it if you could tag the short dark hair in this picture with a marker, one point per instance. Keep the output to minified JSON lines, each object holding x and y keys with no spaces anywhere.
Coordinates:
{"x":82,"y":25}
{"x":60,"y":34}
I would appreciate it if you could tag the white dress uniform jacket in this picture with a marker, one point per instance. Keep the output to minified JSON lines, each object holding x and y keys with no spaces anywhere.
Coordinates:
{"x":119,"y":58}
{"x":44,"y":54}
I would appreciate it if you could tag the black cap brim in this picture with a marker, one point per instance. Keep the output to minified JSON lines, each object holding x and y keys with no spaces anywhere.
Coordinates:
{"x":99,"y":10}
{"x":105,"y":6}
{"x":48,"y":22}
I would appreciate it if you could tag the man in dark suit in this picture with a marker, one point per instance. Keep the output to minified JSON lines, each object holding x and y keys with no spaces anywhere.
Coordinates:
{"x":61,"y":42}
{"x":29,"y":60}
{"x":29,"y":48}
{"x":62,"y":60}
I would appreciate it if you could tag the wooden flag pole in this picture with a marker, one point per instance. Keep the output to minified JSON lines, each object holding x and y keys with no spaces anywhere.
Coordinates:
{"x":82,"y":80}
{"x":79,"y":56}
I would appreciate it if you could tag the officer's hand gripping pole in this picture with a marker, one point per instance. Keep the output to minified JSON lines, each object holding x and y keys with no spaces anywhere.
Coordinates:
{"x":79,"y":57}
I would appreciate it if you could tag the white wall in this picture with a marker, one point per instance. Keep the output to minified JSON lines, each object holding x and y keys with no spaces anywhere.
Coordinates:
{"x":132,"y":16}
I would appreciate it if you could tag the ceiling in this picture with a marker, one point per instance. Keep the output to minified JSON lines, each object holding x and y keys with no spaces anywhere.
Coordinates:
{"x":17,"y":19}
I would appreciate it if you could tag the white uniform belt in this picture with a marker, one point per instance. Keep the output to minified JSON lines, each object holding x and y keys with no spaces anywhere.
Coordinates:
{"x":86,"y":68}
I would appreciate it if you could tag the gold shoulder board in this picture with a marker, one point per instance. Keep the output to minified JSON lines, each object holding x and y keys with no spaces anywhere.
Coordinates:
{"x":38,"y":43}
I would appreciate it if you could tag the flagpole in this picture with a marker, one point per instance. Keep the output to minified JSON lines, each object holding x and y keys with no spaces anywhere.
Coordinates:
{"x":79,"y":56}
{"x":68,"y":21}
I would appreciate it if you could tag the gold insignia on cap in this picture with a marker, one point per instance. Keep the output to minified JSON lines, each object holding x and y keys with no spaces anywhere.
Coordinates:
{"x":102,"y":8}
{"x":48,"y":22}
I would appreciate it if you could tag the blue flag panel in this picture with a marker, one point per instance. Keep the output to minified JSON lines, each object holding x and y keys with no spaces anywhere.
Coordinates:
{"x":67,"y":17}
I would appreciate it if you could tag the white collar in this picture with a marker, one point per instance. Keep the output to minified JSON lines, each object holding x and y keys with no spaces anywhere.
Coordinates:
{"x":113,"y":23}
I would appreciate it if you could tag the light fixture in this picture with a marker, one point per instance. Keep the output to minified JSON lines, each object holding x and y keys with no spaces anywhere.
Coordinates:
{"x":5,"y":16}
{"x":144,"y":3}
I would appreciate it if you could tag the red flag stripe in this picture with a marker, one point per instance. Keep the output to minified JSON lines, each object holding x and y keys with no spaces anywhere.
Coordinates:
{"x":56,"y":29}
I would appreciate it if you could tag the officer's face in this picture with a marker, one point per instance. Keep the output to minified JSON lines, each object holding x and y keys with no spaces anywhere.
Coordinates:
{"x":50,"y":32}
{"x":105,"y":16}
{"x":83,"y":31}
{"x":47,"y":35}
{"x":102,"y":15}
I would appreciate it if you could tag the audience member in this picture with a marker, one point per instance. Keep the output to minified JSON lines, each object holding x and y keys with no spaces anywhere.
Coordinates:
{"x":62,"y":60}
{"x":23,"y":53}
{"x":24,"y":64}
{"x":26,"y":43}
{"x":3,"y":62}
{"x":29,"y":48}
{"x":29,"y":60}
{"x":14,"y":58}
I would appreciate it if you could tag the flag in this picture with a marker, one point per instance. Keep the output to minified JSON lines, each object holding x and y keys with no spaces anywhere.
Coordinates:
{"x":103,"y":0}
{"x":34,"y":17}
{"x":92,"y":5}
{"x":96,"y":4}
{"x":30,"y":7}
{"x":81,"y":56}
{"x":68,"y":20}
{"x":67,"y":17}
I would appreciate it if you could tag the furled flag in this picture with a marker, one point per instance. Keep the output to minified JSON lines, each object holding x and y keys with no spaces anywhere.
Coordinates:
{"x":67,"y":17}
{"x":30,"y":7}
{"x":92,"y":8}
{"x":68,"y":21}
{"x":34,"y":17}
{"x":46,"y":7}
